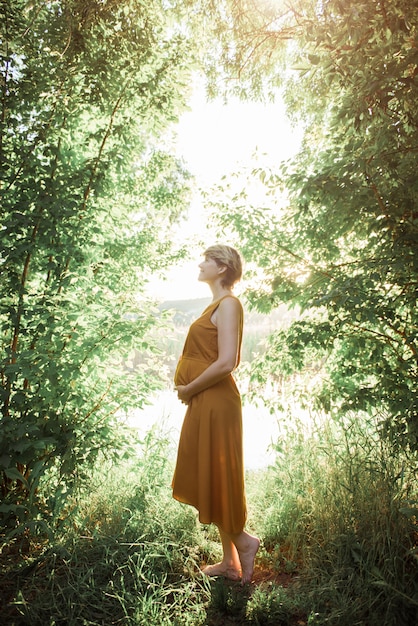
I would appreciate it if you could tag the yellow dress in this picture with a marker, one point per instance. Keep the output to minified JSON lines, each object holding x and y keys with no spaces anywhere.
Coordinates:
{"x":209,"y":472}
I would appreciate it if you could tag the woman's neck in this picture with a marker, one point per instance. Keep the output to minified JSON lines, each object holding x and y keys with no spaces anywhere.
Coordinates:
{"x":218,"y":291}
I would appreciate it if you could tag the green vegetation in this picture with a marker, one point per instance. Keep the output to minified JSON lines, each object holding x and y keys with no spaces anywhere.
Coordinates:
{"x":341,"y":246}
{"x":336,"y":515}
{"x":91,"y":194}
{"x":88,"y":202}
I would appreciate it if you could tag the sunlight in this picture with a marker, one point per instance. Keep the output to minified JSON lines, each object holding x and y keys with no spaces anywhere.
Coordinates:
{"x":216,"y":139}
{"x":166,"y":413}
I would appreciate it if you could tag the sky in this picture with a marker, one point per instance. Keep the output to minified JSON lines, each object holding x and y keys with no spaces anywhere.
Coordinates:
{"x":213,"y":139}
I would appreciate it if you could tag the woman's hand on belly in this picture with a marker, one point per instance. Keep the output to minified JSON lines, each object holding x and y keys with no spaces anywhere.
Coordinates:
{"x":183,"y":394}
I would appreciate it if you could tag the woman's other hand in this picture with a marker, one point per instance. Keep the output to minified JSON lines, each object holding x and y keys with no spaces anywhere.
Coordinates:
{"x":182,"y":394}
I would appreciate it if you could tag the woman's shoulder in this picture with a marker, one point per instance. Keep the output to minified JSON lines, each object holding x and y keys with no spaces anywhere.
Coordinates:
{"x":229,"y":297}
{"x":230,"y":302}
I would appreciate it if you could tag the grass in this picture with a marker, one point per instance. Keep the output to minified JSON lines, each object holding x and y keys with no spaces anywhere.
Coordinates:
{"x":337,"y":518}
{"x":340,"y":513}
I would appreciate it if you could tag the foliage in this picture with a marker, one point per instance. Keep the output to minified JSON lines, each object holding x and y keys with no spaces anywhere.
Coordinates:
{"x":343,"y":510}
{"x":123,"y":560}
{"x":342,"y":248}
{"x":131,"y":556}
{"x":88,"y":201}
{"x":335,"y":512}
{"x":243,"y":44}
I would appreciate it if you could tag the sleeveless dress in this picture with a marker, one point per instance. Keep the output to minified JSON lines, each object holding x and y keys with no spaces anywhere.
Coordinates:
{"x":209,"y":472}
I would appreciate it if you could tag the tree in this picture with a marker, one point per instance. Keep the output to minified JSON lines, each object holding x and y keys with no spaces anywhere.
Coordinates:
{"x":88,"y":200}
{"x":344,"y":247}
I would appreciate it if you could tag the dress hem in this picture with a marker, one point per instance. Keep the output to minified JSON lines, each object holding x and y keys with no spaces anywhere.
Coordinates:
{"x":207,"y":523}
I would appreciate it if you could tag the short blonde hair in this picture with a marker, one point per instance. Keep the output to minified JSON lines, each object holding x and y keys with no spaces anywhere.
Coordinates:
{"x":228,"y":257}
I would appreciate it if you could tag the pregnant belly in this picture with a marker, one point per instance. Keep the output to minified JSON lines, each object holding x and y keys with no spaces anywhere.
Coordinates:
{"x":188,"y":369}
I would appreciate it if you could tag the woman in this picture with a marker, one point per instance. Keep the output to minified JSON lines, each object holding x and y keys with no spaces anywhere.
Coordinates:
{"x":209,"y":473}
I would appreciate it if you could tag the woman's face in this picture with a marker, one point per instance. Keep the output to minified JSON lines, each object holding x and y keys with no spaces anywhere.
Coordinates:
{"x":209,"y":270}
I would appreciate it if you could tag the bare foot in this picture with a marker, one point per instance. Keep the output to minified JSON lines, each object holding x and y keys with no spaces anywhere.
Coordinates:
{"x":219,"y":569}
{"x":247,"y":556}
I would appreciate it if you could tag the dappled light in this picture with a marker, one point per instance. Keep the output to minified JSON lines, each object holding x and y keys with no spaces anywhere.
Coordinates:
{"x":133,"y":136}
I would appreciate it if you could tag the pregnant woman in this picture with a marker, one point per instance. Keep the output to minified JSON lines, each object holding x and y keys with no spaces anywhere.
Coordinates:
{"x":209,"y":473}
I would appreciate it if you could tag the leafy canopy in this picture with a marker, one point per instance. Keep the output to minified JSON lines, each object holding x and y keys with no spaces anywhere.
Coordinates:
{"x":89,"y":196}
{"x":343,"y":246}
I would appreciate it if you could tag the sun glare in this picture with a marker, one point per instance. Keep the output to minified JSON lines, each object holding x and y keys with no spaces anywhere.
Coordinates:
{"x":216,"y":139}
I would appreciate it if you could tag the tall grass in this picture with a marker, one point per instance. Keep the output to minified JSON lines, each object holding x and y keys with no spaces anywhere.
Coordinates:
{"x":343,"y":511}
{"x":335,"y":513}
{"x":128,"y":557}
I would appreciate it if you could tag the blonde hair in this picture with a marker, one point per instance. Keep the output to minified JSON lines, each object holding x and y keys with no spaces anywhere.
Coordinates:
{"x":228,"y":257}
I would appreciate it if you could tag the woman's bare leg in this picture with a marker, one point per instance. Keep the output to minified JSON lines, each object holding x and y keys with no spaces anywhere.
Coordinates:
{"x":239,"y":552}
{"x":230,"y":566}
{"x":247,"y":546}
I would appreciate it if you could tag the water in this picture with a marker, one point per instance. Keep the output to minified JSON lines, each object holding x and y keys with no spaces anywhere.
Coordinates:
{"x":166,"y":413}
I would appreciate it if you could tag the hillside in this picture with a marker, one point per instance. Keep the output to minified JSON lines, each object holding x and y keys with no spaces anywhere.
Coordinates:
{"x":185,"y":311}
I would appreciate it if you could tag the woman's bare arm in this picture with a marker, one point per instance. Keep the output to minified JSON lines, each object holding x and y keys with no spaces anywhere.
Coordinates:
{"x":228,"y":318}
